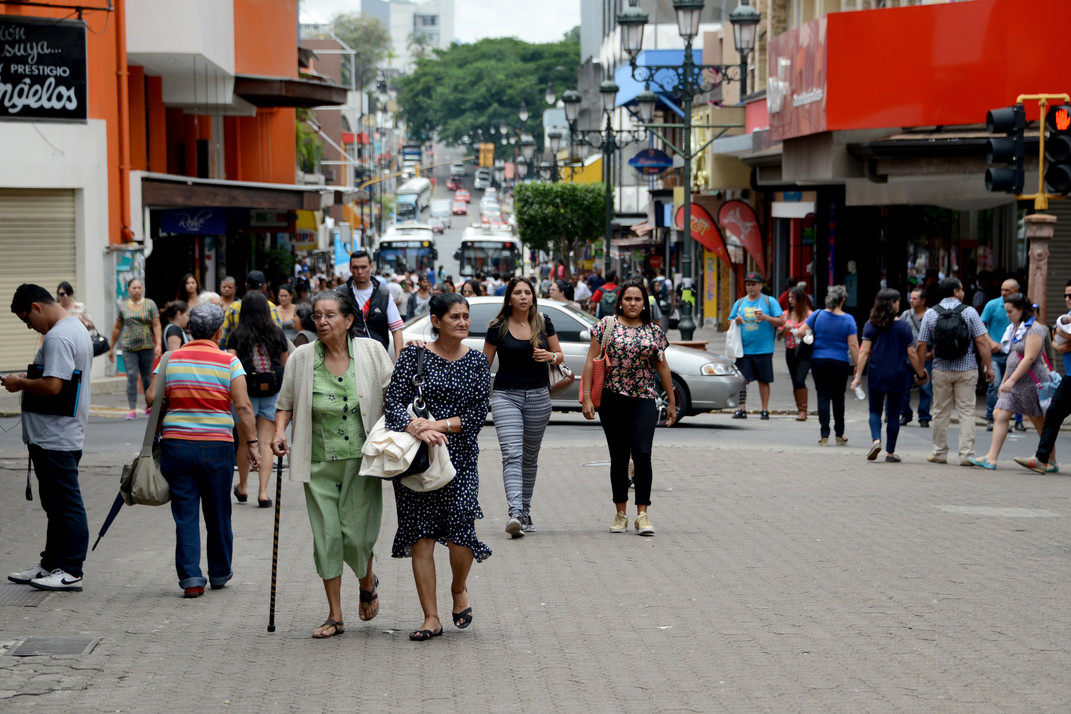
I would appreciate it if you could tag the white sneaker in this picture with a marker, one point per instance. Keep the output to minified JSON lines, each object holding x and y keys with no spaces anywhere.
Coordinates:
{"x":58,"y":579}
{"x":24,"y":578}
{"x":514,"y":528}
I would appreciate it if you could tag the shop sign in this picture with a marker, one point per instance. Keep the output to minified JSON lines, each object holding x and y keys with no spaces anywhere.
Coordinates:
{"x":739,"y":220}
{"x":704,"y":230}
{"x":193,"y":221}
{"x":269,"y":219}
{"x":810,"y":230}
{"x":307,"y":231}
{"x":655,"y":262}
{"x":42,"y":69}
{"x":796,"y":85}
{"x":651,"y":162}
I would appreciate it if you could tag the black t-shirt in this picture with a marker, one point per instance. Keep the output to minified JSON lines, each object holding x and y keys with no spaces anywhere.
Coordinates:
{"x":516,"y":367}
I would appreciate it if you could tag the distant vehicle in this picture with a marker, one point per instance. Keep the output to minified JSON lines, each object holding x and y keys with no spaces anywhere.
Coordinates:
{"x":412,"y":151}
{"x":442,"y":208}
{"x":413,"y":196}
{"x":436,"y":224}
{"x":458,"y":168}
{"x":482,"y":180}
{"x":487,"y":250}
{"x":409,"y":246}
{"x":453,"y":183}
{"x":460,"y":208}
{"x":702,"y":380}
{"x":491,"y":193}
{"x":462,"y":195}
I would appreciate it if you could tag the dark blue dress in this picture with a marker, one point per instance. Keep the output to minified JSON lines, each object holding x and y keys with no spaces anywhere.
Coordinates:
{"x":887,"y":366}
{"x":461,"y":388}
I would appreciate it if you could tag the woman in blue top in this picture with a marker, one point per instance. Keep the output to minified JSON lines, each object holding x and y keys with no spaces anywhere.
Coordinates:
{"x":889,"y":340}
{"x":835,"y":335}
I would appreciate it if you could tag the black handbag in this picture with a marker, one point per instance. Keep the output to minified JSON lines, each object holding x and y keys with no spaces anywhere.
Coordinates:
{"x":100,"y":342}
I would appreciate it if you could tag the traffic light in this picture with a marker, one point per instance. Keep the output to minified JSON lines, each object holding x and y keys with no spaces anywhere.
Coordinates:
{"x":487,"y":154}
{"x":1058,"y":149}
{"x":1009,"y":150}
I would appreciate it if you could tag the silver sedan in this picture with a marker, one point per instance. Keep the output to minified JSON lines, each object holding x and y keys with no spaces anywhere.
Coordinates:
{"x":702,"y":380}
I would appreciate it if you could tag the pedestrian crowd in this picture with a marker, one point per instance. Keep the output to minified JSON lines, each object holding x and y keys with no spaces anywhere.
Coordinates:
{"x":305,"y":380}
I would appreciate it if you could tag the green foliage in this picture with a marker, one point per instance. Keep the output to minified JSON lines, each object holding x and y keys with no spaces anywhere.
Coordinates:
{"x":467,"y":89}
{"x":559,"y":217}
{"x":310,"y":148}
{"x":369,"y":38}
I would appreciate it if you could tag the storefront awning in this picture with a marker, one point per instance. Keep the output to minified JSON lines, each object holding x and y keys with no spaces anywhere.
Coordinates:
{"x":170,"y":191}
{"x":288,"y":92}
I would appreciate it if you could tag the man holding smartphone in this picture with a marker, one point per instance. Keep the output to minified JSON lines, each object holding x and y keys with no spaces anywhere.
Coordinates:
{"x":54,"y":431}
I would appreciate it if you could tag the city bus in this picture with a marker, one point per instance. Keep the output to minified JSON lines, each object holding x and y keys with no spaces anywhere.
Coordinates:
{"x":409,"y":246}
{"x":489,"y":250}
{"x":413,"y":196}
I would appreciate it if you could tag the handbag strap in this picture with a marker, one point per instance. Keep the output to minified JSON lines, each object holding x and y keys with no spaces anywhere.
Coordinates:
{"x":606,"y":333}
{"x":158,"y":400}
{"x":418,"y":381}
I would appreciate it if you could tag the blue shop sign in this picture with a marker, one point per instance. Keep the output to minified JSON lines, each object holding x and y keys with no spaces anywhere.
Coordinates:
{"x":651,"y":161}
{"x":194,"y":221}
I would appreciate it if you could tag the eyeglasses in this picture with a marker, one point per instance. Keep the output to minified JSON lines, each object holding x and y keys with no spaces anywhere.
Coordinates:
{"x":329,"y":316}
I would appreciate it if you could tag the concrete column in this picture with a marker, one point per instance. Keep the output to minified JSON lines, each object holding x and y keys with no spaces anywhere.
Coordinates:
{"x":1039,"y":230}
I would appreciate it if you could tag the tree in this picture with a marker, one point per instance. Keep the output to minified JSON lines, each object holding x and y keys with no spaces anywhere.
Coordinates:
{"x":420,"y":45}
{"x":367,"y":36}
{"x":467,"y":89}
{"x":559,"y":217}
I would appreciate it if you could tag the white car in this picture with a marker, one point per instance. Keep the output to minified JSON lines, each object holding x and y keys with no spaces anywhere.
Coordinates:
{"x":458,"y":168}
{"x":702,"y":380}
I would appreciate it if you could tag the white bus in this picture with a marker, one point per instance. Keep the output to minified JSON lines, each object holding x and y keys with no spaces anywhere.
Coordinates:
{"x":413,"y":197}
{"x":489,"y":250}
{"x":409,"y":246}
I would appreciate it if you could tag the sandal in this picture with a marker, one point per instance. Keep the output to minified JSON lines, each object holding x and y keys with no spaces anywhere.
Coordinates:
{"x":424,"y":635}
{"x":242,"y":497}
{"x":464,"y":618}
{"x":337,"y":629}
{"x":367,"y":597}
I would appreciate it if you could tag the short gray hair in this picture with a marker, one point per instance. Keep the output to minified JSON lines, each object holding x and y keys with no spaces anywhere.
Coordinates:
{"x":836,"y":295}
{"x":205,"y":319}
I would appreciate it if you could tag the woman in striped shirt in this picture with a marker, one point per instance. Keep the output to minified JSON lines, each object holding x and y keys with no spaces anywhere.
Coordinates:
{"x":200,"y":383}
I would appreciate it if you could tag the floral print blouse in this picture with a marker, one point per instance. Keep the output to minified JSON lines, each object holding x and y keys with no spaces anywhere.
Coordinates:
{"x":634,"y":353}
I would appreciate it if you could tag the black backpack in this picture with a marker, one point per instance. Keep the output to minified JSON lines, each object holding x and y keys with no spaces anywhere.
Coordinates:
{"x":951,"y":336}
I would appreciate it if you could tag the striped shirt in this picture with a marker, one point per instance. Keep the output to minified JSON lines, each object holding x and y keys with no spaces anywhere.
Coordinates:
{"x":197,"y":386}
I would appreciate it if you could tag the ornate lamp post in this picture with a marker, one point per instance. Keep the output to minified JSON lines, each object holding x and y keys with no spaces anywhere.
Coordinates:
{"x":687,"y":80}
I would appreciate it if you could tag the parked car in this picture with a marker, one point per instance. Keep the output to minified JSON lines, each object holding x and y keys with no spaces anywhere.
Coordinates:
{"x":702,"y":380}
{"x":458,"y":168}
{"x":462,"y":195}
{"x":460,"y":208}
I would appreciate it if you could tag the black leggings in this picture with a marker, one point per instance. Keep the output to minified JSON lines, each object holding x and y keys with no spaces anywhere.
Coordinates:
{"x":629,"y":426}
{"x":797,"y":369}
{"x":830,"y":381}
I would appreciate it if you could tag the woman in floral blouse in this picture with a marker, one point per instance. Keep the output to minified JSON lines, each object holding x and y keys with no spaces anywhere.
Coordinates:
{"x":634,"y":357}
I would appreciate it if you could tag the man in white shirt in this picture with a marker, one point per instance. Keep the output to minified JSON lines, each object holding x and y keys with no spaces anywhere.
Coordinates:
{"x":580,"y":288}
{"x":377,"y":315}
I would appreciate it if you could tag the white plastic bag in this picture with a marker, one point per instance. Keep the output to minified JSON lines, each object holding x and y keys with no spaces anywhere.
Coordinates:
{"x":734,"y":343}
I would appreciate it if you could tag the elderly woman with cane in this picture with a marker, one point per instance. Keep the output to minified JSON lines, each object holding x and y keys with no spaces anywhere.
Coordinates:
{"x":333,"y":393}
{"x":200,"y":382}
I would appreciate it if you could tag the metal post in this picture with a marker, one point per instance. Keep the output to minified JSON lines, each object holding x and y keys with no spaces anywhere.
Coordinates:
{"x":607,"y":177}
{"x":743,"y":78}
{"x":687,"y":324}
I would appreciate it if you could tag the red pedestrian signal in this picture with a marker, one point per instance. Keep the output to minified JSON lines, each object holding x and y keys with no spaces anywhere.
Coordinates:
{"x":1058,"y":149}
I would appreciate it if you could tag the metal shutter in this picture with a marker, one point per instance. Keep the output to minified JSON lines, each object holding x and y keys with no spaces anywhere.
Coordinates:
{"x":1059,"y":263}
{"x":37,"y":245}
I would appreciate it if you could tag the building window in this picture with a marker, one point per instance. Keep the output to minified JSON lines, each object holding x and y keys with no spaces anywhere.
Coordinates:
{"x":426,"y":21}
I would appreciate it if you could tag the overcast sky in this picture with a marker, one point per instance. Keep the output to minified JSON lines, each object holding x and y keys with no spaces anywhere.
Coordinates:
{"x":542,"y":21}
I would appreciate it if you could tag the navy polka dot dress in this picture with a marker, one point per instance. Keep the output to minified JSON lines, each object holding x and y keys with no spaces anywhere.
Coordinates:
{"x":461,"y":388}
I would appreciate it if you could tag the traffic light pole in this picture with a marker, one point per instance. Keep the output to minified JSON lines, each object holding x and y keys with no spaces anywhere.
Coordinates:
{"x":1041,"y":198}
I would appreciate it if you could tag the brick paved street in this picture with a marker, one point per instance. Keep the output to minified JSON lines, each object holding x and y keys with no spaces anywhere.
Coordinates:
{"x":782,"y":578}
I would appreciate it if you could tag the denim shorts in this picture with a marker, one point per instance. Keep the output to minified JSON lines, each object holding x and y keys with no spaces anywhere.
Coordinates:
{"x":262,"y":407}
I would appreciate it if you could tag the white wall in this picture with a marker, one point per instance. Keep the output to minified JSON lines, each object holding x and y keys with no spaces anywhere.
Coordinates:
{"x":173,"y":30}
{"x":69,"y":156}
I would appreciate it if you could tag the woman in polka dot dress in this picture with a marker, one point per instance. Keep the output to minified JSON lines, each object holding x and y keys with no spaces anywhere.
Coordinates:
{"x":456,"y":389}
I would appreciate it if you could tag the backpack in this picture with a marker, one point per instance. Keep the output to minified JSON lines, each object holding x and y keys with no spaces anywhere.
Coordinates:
{"x":264,"y":372}
{"x":951,"y":336}
{"x":608,"y":303}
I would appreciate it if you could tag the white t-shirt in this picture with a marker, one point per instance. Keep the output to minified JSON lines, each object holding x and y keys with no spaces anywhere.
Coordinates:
{"x":580,"y":291}
{"x":394,"y":318}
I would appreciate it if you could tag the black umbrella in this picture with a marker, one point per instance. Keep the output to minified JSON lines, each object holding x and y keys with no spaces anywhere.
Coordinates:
{"x":111,"y":517}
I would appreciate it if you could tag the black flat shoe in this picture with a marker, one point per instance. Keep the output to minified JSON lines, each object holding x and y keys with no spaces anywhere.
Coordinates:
{"x":266,"y":503}
{"x":463,"y":619}
{"x":423,"y":635}
{"x":242,"y":497}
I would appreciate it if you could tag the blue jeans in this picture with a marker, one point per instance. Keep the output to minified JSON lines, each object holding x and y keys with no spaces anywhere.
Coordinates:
{"x":67,"y":537}
{"x":925,"y":397}
{"x":200,"y":473}
{"x":139,"y":362}
{"x":891,"y":401}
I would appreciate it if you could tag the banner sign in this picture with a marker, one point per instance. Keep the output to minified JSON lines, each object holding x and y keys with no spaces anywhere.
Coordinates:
{"x":704,"y":230}
{"x":738,"y":219}
{"x":651,"y":162}
{"x":42,"y":69}
{"x":193,"y":221}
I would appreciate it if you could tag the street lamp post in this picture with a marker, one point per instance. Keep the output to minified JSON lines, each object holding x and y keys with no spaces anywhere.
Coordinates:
{"x":687,"y":80}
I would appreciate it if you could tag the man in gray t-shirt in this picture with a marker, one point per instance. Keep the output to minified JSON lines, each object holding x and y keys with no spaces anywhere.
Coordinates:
{"x":55,"y":409}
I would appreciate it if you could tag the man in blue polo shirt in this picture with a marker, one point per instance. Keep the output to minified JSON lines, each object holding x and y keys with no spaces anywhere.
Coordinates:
{"x":759,"y":316}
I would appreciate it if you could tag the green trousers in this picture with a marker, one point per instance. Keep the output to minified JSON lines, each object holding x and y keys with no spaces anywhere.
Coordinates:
{"x":345,"y":510}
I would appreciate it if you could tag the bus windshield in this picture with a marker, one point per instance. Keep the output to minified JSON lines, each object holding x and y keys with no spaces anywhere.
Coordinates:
{"x":402,"y":255}
{"x":488,"y":256}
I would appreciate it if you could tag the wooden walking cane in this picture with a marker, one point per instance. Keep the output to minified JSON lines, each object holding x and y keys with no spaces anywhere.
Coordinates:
{"x":275,"y":540}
